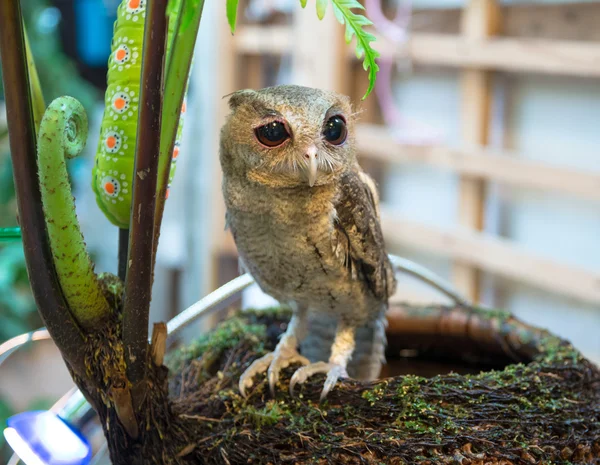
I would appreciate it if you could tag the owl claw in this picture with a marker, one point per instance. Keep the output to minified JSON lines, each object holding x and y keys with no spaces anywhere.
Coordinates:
{"x":272,"y":363}
{"x":333,"y":372}
{"x":258,"y":366}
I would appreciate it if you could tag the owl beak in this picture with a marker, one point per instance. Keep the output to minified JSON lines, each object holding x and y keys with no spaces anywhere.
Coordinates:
{"x":311,"y":165}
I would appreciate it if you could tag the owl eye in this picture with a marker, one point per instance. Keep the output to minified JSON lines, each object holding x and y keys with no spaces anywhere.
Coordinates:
{"x":335,"y":131}
{"x":272,"y":134}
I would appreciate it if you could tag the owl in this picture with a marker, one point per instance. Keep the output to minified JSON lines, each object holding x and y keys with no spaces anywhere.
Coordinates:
{"x":305,"y":220}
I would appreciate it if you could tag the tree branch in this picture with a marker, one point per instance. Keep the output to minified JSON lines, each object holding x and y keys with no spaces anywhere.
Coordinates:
{"x":44,"y":283}
{"x":138,"y":287}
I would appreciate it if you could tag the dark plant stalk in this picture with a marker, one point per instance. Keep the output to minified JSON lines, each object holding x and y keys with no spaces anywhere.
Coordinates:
{"x":123,"y":252}
{"x":44,"y":283}
{"x":138,"y":285}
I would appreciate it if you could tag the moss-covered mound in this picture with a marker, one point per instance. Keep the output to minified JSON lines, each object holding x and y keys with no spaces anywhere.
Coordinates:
{"x":545,"y":410}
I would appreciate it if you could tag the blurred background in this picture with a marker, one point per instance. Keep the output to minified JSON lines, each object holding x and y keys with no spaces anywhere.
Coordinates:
{"x":482,"y":135}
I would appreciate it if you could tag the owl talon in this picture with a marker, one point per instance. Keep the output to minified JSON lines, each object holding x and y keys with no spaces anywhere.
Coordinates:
{"x":272,"y":363}
{"x":333,"y":372}
{"x":258,"y":366}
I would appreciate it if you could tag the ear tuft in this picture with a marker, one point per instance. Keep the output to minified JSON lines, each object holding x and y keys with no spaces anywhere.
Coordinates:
{"x":239,"y":97}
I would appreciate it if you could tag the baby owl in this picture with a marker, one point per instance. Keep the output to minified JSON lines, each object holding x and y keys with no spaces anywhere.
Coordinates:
{"x":305,"y":220}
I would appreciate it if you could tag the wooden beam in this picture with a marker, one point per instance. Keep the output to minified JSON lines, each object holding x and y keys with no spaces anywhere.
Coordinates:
{"x":562,"y":57}
{"x":569,"y":58}
{"x":498,"y":256}
{"x":481,"y":19}
{"x":268,"y":40}
{"x":228,"y":82}
{"x":318,"y":52}
{"x":560,"y":21}
{"x":377,"y":142}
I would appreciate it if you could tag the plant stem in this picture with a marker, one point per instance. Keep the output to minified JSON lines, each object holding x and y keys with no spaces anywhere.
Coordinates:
{"x":44,"y":282}
{"x":138,"y":285}
{"x":123,"y":252}
{"x":178,"y":70}
{"x":39,"y":105}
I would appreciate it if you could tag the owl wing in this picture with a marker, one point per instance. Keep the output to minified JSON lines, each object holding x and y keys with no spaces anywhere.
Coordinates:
{"x":359,"y":234}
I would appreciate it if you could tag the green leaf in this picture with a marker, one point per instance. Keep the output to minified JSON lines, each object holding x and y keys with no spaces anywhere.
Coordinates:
{"x":321,"y":8}
{"x":354,"y":23}
{"x":232,"y":6}
{"x":303,"y":3}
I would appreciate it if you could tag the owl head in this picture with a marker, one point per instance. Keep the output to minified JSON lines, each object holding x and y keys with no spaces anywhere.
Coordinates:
{"x":288,"y":136}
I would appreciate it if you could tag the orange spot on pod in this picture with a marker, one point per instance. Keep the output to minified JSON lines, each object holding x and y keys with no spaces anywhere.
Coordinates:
{"x":135,"y":6}
{"x":111,"y":186}
{"x":119,"y":103}
{"x":176,"y":151}
{"x":184,"y":107}
{"x":112,"y":142}
{"x":121,"y":54}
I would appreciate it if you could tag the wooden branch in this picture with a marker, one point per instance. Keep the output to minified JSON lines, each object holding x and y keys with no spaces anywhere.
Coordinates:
{"x":376,"y":141}
{"x":495,"y":255}
{"x":159,"y":343}
{"x":44,"y":283}
{"x":138,"y":287}
{"x":562,"y":57}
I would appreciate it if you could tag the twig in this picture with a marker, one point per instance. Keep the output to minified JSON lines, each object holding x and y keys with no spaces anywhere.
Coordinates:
{"x":44,"y":283}
{"x":138,"y":286}
{"x":159,"y":343}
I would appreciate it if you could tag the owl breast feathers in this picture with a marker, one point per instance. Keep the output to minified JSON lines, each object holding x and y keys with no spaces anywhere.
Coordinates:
{"x":304,"y":216}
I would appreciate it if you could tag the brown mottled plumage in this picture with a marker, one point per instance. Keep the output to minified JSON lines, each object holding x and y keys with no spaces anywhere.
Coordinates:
{"x":305,"y":219}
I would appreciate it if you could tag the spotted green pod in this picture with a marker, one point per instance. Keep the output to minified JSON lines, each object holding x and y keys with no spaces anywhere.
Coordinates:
{"x":112,"y":174}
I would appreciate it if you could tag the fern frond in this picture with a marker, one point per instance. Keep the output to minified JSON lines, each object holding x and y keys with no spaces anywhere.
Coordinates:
{"x":355,"y":23}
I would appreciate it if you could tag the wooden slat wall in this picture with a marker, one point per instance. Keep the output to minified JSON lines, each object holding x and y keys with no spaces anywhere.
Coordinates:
{"x":377,"y":142}
{"x":478,"y":40}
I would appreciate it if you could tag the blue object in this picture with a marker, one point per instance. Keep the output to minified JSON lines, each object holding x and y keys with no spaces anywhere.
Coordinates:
{"x":94,"y":21}
{"x":43,"y":438}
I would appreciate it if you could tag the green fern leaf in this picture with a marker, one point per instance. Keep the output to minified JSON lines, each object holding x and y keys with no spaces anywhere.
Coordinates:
{"x":354,"y":23}
{"x":232,"y":6}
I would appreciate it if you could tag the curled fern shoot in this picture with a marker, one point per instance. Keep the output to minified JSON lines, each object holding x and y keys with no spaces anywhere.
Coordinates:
{"x":63,"y":134}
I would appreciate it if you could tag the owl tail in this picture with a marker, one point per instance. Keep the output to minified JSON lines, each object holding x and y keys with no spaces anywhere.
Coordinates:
{"x":369,"y":353}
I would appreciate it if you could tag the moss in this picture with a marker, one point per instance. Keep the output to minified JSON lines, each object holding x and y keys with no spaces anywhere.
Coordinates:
{"x":227,"y":335}
{"x":269,"y":415}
